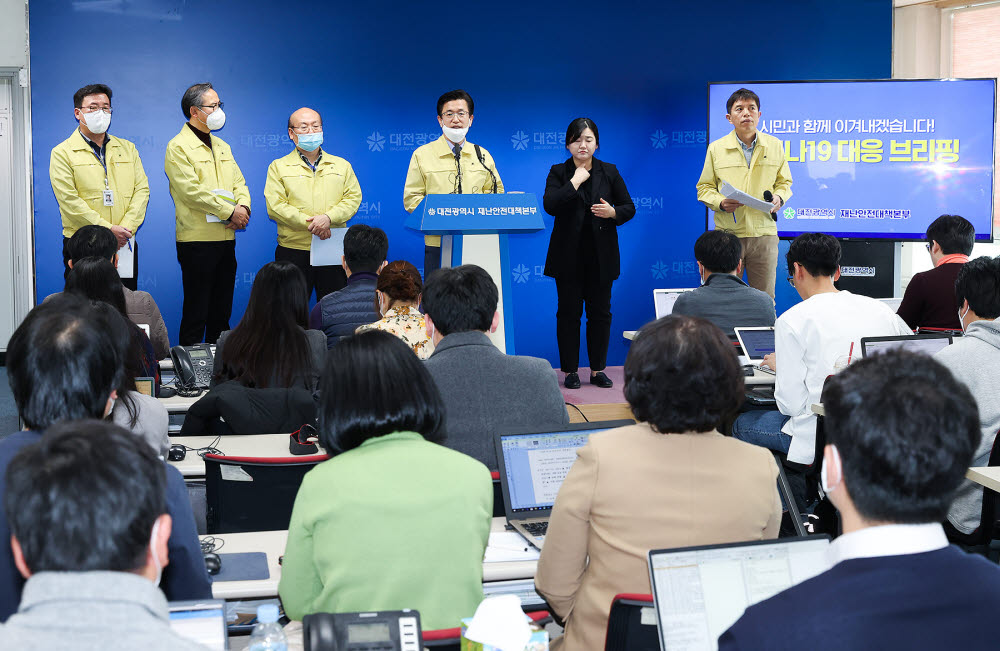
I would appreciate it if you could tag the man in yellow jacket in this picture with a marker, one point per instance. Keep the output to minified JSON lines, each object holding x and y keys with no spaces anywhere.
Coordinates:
{"x":752,"y":162}
{"x":434,"y":167}
{"x":211,"y":203}
{"x":309,"y":192}
{"x":98,"y":179}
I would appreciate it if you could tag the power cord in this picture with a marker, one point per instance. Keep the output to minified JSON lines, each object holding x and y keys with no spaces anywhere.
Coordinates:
{"x":583,"y":415}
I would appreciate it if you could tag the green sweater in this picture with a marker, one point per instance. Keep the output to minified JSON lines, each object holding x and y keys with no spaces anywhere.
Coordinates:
{"x":395,"y":523}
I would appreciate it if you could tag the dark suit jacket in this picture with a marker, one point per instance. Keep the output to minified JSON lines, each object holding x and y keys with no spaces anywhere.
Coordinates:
{"x":486,"y":391}
{"x":944,"y":599}
{"x":570,"y":208}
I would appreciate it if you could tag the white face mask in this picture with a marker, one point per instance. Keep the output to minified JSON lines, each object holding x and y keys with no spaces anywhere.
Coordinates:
{"x":823,"y":479}
{"x":216,"y":119}
{"x":152,"y":550}
{"x":111,"y":407}
{"x":455,"y":135}
{"x":961,"y":317}
{"x":97,"y":121}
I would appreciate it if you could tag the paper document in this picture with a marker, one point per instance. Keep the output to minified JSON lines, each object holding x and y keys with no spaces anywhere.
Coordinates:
{"x":126,"y":259}
{"x":507,"y":546}
{"x":729,"y":192}
{"x":328,"y":251}
{"x":229,"y":197}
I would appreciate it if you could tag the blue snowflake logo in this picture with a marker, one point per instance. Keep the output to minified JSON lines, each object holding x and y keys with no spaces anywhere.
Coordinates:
{"x":519,"y":140}
{"x":659,"y":139}
{"x":521,"y":273}
{"x":376,"y":141}
{"x":659,"y":269}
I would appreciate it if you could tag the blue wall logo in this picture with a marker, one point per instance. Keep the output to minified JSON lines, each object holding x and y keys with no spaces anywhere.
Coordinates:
{"x":521,"y":273}
{"x":376,"y":141}
{"x":659,"y":269}
{"x":659,"y":138}
{"x":519,"y":140}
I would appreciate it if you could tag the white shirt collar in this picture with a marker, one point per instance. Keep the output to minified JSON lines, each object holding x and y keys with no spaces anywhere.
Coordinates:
{"x":888,"y":540}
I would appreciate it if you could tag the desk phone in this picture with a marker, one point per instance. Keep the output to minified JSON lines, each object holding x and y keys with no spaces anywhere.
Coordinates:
{"x":193,"y":365}
{"x":390,"y":630}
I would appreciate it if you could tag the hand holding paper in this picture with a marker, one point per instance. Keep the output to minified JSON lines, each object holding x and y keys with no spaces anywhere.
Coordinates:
{"x":729,"y":192}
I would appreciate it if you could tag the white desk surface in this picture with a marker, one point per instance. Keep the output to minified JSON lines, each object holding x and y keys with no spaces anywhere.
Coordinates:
{"x":988,"y":476}
{"x":817,"y":408}
{"x":179,"y":404}
{"x":166,"y":364}
{"x":273,"y":544}
{"x":629,"y":334}
{"x":233,"y":445}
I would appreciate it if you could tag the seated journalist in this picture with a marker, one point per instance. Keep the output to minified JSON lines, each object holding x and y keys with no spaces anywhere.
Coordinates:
{"x":723,"y":298}
{"x":671,"y":480}
{"x":340,"y":313}
{"x":484,"y":390}
{"x":91,"y":540}
{"x":900,"y":433}
{"x":929,"y":299}
{"x":394,"y":520}
{"x":63,"y":364}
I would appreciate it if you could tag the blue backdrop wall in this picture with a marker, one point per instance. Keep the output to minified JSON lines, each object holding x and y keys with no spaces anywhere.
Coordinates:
{"x":375,"y":69}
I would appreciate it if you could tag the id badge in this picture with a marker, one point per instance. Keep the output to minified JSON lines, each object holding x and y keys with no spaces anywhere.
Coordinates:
{"x":109,"y":198}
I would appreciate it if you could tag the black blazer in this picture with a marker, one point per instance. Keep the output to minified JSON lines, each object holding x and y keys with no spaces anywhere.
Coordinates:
{"x":570,"y":208}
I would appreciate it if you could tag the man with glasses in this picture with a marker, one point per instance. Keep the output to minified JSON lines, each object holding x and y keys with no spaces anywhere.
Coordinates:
{"x":211,"y":203}
{"x":754,"y":163}
{"x":309,"y":192}
{"x":98,"y":179}
{"x":449,"y":165}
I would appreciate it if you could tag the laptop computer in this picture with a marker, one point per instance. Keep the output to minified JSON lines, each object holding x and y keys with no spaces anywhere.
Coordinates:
{"x":533,"y":464}
{"x":699,"y":592}
{"x":927,"y":344}
{"x":755,"y":343}
{"x":203,"y":622}
{"x":664,"y":299}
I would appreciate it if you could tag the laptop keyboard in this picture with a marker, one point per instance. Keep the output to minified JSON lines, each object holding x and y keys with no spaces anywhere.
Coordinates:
{"x":536,"y":528}
{"x":763,"y":369}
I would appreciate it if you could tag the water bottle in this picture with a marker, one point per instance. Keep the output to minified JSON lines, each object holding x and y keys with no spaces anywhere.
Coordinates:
{"x":267,"y":634}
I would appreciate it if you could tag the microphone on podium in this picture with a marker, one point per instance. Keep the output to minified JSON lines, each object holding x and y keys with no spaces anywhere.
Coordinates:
{"x":770,"y":197}
{"x":458,"y":166}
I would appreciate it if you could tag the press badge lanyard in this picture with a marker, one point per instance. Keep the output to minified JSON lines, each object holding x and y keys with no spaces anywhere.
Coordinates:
{"x":109,"y":196}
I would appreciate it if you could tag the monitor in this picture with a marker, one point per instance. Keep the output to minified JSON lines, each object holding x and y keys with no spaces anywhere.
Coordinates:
{"x":203,"y":622}
{"x":877,"y":159}
{"x":664,"y":299}
{"x":926,"y":344}
{"x":699,"y":592}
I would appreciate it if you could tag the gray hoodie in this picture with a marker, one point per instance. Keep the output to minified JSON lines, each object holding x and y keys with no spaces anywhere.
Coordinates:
{"x":975,"y":360}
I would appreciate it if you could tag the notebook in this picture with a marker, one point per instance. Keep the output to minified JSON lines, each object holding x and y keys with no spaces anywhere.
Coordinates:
{"x":533,"y":464}
{"x":203,"y":622}
{"x":699,"y":592}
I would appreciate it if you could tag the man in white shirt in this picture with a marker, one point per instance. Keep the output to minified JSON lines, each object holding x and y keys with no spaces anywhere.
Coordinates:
{"x":901,"y":431}
{"x":811,"y":340}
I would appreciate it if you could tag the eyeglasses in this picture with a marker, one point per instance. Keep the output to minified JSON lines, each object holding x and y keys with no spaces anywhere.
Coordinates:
{"x":451,"y":114}
{"x":791,"y":280}
{"x":210,"y":106}
{"x":92,"y":109}
{"x":308,"y":129}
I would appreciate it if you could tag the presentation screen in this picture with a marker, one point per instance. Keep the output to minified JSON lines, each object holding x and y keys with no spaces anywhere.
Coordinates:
{"x":877,"y":159}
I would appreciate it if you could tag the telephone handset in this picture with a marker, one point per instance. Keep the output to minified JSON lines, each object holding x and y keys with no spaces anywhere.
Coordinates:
{"x":193,"y":366}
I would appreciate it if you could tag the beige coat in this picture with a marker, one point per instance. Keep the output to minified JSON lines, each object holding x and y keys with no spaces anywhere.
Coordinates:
{"x":632,"y":490}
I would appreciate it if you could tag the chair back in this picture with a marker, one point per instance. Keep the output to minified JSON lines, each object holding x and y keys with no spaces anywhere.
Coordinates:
{"x":498,"y":509}
{"x":628,"y":629}
{"x":253,"y":493}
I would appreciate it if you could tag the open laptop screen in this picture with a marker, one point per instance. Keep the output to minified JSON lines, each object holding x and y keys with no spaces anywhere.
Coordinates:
{"x":926,"y":344}
{"x":203,"y":622}
{"x":535,"y":464}
{"x":756,"y":342}
{"x":664,"y":299}
{"x":699,"y":592}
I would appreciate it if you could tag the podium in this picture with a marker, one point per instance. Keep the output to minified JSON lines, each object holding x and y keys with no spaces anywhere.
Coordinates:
{"x":474,"y":230}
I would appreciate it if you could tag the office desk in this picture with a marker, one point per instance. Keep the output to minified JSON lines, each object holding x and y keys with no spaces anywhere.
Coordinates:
{"x":179,"y":404}
{"x":629,"y":334}
{"x":233,"y":445}
{"x":273,"y":544}
{"x":817,"y":408}
{"x":988,"y":476}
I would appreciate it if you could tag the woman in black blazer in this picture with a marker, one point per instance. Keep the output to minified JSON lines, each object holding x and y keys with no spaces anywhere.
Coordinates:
{"x":589,"y":200}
